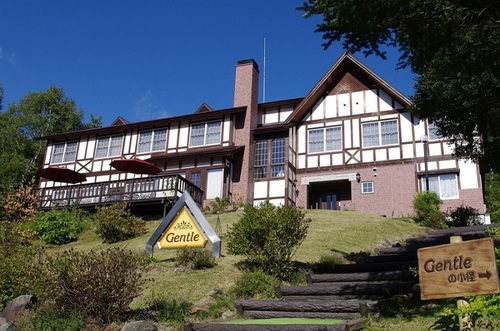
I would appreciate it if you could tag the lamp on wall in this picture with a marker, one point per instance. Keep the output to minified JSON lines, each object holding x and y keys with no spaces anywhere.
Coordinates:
{"x":358,"y":177}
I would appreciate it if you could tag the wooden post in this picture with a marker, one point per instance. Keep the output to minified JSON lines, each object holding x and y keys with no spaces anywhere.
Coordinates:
{"x":463,"y":321}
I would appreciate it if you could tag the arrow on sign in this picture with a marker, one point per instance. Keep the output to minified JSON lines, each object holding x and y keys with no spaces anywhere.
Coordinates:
{"x":486,"y":275}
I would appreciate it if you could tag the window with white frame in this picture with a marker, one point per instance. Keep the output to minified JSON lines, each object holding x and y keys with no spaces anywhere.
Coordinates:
{"x":325,"y":140}
{"x":380,"y":133}
{"x":367,"y":187}
{"x":109,"y":146}
{"x":64,"y":152}
{"x":260,"y":163}
{"x":152,"y":140}
{"x":433,"y":135}
{"x":445,"y":185}
{"x":273,"y":151}
{"x":278,"y":157}
{"x":202,"y":134}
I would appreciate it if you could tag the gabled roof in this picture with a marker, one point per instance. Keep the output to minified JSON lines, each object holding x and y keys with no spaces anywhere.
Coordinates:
{"x":120,"y":121}
{"x":203,"y":108}
{"x":345,"y":65}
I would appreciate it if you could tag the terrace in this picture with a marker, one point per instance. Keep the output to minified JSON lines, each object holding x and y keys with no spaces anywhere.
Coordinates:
{"x":156,"y":190}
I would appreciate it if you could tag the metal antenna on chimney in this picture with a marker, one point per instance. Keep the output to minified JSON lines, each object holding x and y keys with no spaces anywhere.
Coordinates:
{"x":264,"y":78}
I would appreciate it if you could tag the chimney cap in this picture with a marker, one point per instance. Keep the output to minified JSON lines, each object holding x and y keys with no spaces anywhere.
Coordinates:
{"x":249,"y":61}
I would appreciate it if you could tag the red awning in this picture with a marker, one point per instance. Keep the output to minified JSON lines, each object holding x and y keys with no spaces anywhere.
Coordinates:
{"x":61,"y":174}
{"x":136,"y":166}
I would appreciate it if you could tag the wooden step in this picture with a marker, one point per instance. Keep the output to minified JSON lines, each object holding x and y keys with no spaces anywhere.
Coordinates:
{"x":375,"y":267}
{"x":361,"y":276}
{"x":342,"y":288}
{"x":264,"y":314}
{"x":353,"y":306}
{"x":352,"y":325}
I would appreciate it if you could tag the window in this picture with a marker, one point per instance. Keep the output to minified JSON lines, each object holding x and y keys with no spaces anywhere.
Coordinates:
{"x":196,"y":178}
{"x":278,"y":158}
{"x":205,"y":134}
{"x":64,"y":152}
{"x":324,"y":140}
{"x":433,"y":132}
{"x":367,"y":187}
{"x":380,"y":133}
{"x":109,"y":146}
{"x":445,"y":185}
{"x":260,"y":164}
{"x":276,"y":150}
{"x":152,"y":140}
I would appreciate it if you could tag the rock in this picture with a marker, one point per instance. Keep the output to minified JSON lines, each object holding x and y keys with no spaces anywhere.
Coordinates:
{"x":166,"y":328}
{"x":6,"y":326}
{"x":139,"y":326}
{"x":17,"y":307}
{"x":228,"y":314}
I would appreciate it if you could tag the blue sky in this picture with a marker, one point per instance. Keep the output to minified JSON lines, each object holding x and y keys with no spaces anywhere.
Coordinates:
{"x":149,"y":59}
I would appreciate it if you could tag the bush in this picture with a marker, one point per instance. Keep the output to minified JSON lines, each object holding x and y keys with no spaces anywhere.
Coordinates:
{"x":327,"y":263}
{"x":18,"y":263}
{"x":195,"y":258}
{"x":47,"y":318}
{"x":99,"y":285}
{"x":163,"y":310}
{"x":115,"y":224}
{"x":463,"y":216}
{"x":268,"y":236}
{"x":426,"y":205}
{"x":59,"y":227}
{"x":254,"y":285}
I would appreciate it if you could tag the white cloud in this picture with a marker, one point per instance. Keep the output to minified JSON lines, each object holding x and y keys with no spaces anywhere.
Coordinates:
{"x":148,"y":107}
{"x":9,"y":57}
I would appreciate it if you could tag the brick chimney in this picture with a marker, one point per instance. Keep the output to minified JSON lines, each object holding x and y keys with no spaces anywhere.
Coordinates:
{"x":246,"y":90}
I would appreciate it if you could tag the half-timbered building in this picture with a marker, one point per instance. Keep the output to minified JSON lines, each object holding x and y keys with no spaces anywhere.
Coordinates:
{"x":349,"y":144}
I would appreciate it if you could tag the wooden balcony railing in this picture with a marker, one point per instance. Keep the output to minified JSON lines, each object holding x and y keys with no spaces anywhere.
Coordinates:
{"x":131,"y":190}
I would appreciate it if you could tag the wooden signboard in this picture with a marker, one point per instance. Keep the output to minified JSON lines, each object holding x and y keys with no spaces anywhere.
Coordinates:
{"x":458,"y":269}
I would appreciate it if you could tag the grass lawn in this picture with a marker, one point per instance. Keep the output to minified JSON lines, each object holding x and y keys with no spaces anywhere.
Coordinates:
{"x":340,"y":232}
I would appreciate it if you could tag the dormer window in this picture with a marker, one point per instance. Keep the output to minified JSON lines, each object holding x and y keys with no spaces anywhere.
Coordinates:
{"x":202,"y":134}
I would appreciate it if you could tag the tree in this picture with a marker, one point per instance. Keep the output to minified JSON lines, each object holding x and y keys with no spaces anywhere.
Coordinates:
{"x":452,"y":46}
{"x":38,"y":114}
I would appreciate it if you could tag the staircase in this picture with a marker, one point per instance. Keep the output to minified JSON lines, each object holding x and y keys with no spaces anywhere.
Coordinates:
{"x":353,"y":293}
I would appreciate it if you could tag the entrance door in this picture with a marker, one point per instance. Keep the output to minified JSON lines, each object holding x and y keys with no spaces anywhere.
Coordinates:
{"x":326,"y":195}
{"x":215,"y":183}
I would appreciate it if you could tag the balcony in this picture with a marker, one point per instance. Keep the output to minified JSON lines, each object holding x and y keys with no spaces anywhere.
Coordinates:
{"x":151,"y":190}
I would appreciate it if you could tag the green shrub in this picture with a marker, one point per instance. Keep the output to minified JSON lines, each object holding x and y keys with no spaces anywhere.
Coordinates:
{"x":492,"y":195}
{"x":18,"y":263}
{"x":269,"y":236}
{"x":222,"y":304}
{"x":327,"y":263}
{"x":59,"y":227}
{"x":47,"y":318}
{"x":114,"y":224}
{"x":426,"y":205}
{"x":255,"y":284}
{"x":195,"y":258}
{"x":97,"y":284}
{"x":161,"y":309}
{"x":463,"y":216}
